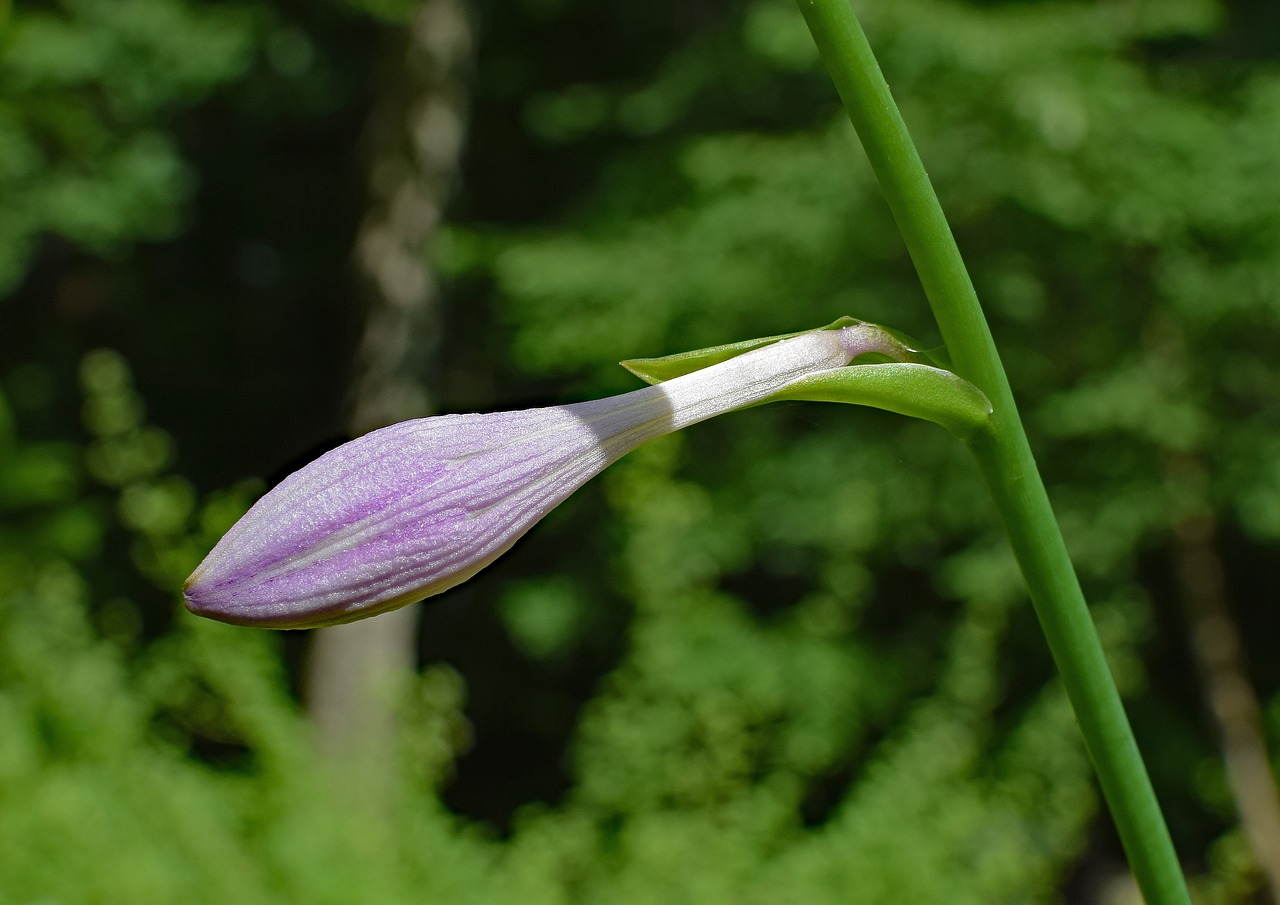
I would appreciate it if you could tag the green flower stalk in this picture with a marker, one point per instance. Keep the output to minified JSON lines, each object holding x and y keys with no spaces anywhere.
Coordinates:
{"x":1002,"y":451}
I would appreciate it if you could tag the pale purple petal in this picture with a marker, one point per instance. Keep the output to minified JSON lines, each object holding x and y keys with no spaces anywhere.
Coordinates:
{"x":414,"y":509}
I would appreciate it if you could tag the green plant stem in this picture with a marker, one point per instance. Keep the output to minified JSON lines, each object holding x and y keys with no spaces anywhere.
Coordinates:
{"x":1002,"y":452}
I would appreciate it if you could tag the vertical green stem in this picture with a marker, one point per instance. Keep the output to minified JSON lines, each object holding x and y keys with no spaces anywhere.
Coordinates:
{"x":1002,"y":452}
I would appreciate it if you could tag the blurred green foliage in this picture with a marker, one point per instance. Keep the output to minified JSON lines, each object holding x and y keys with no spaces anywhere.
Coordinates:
{"x":87,"y":83}
{"x":784,"y":657}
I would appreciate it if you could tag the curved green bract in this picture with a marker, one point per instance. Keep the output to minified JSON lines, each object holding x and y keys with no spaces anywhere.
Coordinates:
{"x":908,"y":388}
{"x":656,"y":370}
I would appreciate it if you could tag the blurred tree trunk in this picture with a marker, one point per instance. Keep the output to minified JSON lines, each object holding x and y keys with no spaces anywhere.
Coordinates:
{"x":412,"y":142}
{"x":1219,"y":656}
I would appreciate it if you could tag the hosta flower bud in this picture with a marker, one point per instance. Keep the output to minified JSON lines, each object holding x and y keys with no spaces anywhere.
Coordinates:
{"x":414,"y":509}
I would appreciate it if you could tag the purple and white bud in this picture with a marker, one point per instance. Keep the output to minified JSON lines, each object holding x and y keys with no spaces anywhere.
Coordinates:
{"x":411,"y":510}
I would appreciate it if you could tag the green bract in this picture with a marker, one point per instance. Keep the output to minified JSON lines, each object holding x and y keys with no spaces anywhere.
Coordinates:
{"x":908,"y":388}
{"x":892,"y":375}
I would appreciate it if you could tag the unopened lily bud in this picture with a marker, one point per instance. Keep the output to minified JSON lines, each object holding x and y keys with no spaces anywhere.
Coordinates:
{"x":411,"y":510}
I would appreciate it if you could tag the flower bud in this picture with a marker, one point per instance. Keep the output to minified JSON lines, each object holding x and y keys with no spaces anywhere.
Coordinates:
{"x":411,"y":510}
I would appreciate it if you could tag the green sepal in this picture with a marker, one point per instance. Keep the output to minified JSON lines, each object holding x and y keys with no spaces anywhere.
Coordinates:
{"x":656,"y":370}
{"x":908,"y":388}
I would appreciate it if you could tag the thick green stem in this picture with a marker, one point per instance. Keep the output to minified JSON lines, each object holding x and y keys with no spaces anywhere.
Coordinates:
{"x":1002,"y":451}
